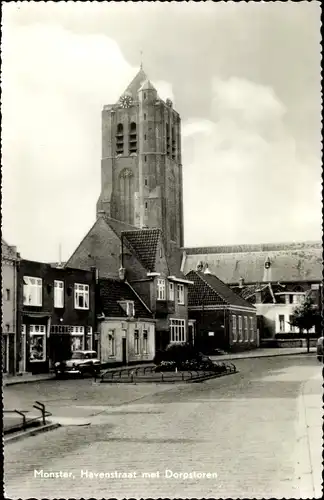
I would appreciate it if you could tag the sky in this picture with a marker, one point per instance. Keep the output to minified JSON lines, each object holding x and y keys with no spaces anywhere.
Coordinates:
{"x":245,"y":78}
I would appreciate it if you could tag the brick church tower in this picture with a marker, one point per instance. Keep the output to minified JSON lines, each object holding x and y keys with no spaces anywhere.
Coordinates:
{"x":141,"y":171}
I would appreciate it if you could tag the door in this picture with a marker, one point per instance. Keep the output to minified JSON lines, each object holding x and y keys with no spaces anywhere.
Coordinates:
{"x":124,"y":354}
{"x":191,"y":332}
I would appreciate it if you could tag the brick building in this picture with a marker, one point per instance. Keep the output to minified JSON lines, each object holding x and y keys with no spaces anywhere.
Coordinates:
{"x":9,"y":262}
{"x":273,"y":277}
{"x":139,"y":257}
{"x":55,"y":314}
{"x":224,"y":320}
{"x":126,"y":326}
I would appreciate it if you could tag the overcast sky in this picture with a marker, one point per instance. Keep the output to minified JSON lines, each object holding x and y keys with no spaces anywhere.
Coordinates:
{"x":245,"y":78}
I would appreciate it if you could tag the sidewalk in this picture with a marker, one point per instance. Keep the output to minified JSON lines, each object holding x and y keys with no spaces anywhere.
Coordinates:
{"x":261,"y":353}
{"x":26,"y":378}
{"x":310,"y":438}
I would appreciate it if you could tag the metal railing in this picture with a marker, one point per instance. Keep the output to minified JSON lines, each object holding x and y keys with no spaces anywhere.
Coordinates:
{"x":27,"y":422}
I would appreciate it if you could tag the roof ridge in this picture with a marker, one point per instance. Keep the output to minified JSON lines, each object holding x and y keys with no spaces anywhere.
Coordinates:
{"x":255,"y":247}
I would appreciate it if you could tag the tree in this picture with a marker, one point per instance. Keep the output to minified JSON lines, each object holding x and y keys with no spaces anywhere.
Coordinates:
{"x":305,"y":316}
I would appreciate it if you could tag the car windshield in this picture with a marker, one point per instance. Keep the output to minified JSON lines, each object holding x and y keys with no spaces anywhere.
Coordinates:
{"x":77,"y":355}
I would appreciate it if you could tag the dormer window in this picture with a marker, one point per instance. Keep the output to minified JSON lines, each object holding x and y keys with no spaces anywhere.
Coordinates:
{"x":132,"y":138}
{"x":128,"y":307}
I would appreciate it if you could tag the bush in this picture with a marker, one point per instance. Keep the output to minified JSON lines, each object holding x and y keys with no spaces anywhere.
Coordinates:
{"x":166,"y":366}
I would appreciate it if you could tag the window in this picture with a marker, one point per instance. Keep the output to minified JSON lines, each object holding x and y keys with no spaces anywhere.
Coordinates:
{"x":292,"y":328}
{"x":132,"y":138}
{"x":160,"y":289}
{"x":144,"y":95}
{"x":81,"y":296}
{"x":171,"y":291}
{"x":77,"y":338}
{"x":111,"y":343}
{"x":145,"y":137}
{"x":145,"y":181}
{"x":251,"y":329}
{"x":146,"y":205}
{"x":37,"y":343}
{"x":58,"y":293}
{"x":7,"y":293}
{"x":173,"y":144}
{"x":145,"y":342}
{"x":281,"y":323}
{"x":177,"y":330}
{"x":32,"y":291}
{"x":181,"y":294}
{"x":145,"y":158}
{"x":89,"y":337}
{"x":234,"y":328}
{"x":144,"y":116}
{"x":136,"y":341}
{"x":130,"y":309}
{"x":246,"y":329}
{"x":7,"y":327}
{"x":240,"y":332}
{"x":120,"y":139}
{"x":167,"y":136}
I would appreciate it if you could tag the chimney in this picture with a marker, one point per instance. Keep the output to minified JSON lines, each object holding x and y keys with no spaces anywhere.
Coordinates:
{"x":122,"y":273}
{"x":241,"y":282}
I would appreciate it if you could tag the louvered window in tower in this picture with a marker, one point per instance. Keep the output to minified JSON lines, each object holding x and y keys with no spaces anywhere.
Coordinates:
{"x":167,"y":135}
{"x":132,"y":138}
{"x":126,"y":193}
{"x":120,"y":139}
{"x":173,"y":144}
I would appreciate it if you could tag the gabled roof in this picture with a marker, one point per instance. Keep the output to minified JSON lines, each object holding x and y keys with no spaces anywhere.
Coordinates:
{"x":111,"y":292}
{"x":300,"y":261}
{"x":118,"y":226}
{"x":143,"y":243}
{"x":209,"y":290}
{"x":136,"y":83}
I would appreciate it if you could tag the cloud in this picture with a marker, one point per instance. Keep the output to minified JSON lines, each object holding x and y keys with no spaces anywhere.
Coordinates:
{"x":55,"y":84}
{"x":244,"y":170}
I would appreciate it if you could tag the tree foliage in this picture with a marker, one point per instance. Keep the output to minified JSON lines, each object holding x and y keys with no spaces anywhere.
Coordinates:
{"x":306,"y":315}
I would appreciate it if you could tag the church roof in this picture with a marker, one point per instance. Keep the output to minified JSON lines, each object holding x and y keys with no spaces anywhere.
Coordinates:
{"x":111,"y":291}
{"x":144,"y":244}
{"x":301,"y":261}
{"x":210,"y":290}
{"x":136,"y":83}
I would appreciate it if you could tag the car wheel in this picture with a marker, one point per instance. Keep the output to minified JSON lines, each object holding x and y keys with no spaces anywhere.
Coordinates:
{"x":320,"y":358}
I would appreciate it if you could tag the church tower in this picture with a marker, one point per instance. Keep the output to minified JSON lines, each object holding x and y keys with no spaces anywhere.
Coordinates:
{"x":141,"y":170}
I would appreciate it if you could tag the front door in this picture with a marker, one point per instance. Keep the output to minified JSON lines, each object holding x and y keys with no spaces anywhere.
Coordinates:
{"x":124,"y":356}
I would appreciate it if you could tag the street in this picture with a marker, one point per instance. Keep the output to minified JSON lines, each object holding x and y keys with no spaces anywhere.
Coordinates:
{"x":233,"y":436}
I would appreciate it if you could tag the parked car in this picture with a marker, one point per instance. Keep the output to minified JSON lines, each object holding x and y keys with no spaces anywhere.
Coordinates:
{"x":81,"y":363}
{"x":319,"y":349}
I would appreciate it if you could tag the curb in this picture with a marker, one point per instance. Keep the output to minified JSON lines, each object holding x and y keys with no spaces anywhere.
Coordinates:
{"x":44,"y":428}
{"x":16,"y":382}
{"x":195,"y":380}
{"x":263,"y":356}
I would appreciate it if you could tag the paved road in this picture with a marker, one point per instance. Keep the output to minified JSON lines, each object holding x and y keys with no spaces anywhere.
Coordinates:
{"x":242,"y":428}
